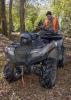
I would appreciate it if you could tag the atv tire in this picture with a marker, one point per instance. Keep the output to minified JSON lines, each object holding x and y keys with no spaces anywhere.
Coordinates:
{"x":11,"y":73}
{"x":61,"y":62}
{"x":8,"y":72}
{"x":48,"y":74}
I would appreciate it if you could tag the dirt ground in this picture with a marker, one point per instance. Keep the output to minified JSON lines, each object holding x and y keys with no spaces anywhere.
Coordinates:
{"x":32,"y":89}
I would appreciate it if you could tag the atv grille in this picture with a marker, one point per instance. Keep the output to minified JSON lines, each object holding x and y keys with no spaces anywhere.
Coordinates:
{"x":21,"y":53}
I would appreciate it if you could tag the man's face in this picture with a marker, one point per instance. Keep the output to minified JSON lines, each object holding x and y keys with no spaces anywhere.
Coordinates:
{"x":49,"y":17}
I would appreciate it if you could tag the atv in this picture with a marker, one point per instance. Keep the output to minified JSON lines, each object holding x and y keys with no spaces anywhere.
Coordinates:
{"x":39,"y":53}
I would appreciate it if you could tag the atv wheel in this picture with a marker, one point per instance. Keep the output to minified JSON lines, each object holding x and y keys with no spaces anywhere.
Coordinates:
{"x":11,"y":73}
{"x":61,"y":62}
{"x":48,"y":74}
{"x":8,"y":72}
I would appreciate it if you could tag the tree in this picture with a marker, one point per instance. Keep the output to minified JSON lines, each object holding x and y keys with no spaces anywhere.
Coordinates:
{"x":3,"y":16}
{"x":30,"y":16}
{"x":0,"y":15}
{"x":10,"y":17}
{"x":22,"y":16}
{"x":54,"y":2}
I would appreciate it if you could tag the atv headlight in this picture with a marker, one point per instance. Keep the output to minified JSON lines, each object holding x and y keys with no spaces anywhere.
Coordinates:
{"x":56,"y":44}
{"x":6,"y":49}
{"x":10,"y":50}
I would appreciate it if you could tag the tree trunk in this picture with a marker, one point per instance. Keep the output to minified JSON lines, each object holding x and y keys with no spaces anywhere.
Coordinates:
{"x":10,"y":17}
{"x":54,"y":2}
{"x":0,"y":17}
{"x":3,"y":16}
{"x":22,"y":16}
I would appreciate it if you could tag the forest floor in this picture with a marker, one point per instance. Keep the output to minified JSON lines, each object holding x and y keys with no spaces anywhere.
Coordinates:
{"x":32,"y":89}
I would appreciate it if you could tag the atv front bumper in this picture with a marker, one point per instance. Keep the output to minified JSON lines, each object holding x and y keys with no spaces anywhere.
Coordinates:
{"x":34,"y":56}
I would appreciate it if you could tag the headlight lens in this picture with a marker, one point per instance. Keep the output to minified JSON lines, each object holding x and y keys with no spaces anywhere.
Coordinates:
{"x":56,"y":43}
{"x":10,"y":50}
{"x":6,"y":49}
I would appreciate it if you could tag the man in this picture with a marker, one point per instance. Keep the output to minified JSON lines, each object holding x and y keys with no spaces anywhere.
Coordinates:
{"x":50,"y":23}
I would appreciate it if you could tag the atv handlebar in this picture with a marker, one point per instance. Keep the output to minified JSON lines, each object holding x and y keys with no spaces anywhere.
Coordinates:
{"x":46,"y":30}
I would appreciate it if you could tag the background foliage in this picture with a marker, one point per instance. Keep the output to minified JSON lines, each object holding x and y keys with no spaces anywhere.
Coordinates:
{"x":62,"y":9}
{"x":35,"y":11}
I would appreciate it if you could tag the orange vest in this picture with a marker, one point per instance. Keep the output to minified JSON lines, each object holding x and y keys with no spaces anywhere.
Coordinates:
{"x":53,"y":23}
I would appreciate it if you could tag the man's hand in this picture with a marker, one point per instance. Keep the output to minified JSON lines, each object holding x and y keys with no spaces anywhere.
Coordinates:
{"x":41,"y":27}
